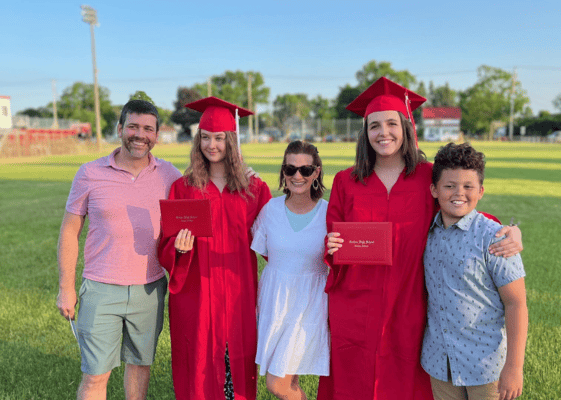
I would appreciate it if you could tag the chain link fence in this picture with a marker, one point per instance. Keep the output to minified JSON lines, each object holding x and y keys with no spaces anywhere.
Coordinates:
{"x":34,"y":136}
{"x":311,"y":130}
{"x":41,"y":142}
{"x":25,"y":121}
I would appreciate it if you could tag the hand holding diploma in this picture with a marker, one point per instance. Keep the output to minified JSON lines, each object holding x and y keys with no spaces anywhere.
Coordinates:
{"x":366,"y":243}
{"x":334,"y":242}
{"x":184,"y":241}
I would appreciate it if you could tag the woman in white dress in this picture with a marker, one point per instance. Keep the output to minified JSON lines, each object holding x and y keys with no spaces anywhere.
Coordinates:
{"x":293,"y":337}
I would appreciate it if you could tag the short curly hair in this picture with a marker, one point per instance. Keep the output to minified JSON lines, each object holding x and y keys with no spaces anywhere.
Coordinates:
{"x":458,"y":156}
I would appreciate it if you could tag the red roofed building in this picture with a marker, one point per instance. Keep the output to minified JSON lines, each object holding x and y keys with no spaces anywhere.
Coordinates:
{"x":441,"y":123}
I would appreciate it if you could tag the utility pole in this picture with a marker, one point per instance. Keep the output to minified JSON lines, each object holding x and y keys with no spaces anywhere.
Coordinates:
{"x":256,"y":123}
{"x":208,"y":88}
{"x":250,"y":107}
{"x":55,"y":115}
{"x":89,"y":16}
{"x":511,"y":122}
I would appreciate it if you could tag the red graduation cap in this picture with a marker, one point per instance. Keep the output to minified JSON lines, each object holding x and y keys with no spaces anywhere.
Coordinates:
{"x":218,"y":115}
{"x":386,"y":95}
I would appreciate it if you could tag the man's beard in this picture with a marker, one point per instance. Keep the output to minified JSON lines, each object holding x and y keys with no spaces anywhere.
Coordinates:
{"x":128,"y":145}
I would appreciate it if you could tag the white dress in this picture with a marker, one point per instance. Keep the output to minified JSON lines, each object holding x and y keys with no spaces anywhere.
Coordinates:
{"x":293,"y":337}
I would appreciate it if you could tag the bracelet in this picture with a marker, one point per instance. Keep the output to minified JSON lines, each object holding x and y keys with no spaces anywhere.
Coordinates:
{"x":180,"y":251}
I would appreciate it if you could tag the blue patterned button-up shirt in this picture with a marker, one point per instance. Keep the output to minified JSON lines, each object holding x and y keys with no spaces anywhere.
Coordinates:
{"x":466,"y":320}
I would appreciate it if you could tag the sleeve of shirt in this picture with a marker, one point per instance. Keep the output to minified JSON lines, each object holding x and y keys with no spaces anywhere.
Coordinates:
{"x":503,"y":270}
{"x":259,"y":232}
{"x":77,"y":202}
{"x":490,"y":216}
{"x":172,"y":174}
{"x":175,"y":173}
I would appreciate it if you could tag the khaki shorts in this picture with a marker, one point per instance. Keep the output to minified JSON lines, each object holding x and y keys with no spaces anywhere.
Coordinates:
{"x":119,"y":323}
{"x":446,"y":391}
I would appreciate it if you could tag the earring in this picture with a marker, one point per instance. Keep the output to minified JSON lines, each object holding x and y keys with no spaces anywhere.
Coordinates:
{"x":315,"y":184}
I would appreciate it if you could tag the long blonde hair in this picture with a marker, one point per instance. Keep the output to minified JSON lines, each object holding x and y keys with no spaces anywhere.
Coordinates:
{"x":197,"y":173}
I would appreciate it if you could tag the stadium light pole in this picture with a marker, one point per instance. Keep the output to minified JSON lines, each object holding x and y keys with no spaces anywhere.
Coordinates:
{"x":89,"y":16}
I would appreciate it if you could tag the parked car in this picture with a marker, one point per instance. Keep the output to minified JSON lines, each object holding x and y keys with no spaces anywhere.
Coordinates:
{"x":332,"y":138}
{"x":294,"y":136}
{"x":312,"y":138}
{"x":554,"y":136}
{"x":274,"y":133}
{"x":264,"y":138}
{"x":244,"y":138}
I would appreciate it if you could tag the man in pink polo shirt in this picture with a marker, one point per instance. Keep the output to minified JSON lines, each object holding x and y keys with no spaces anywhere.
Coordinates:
{"x":123,"y":285}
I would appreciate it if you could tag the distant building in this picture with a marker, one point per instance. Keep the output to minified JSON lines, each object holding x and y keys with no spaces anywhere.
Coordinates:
{"x":441,"y":123}
{"x":5,"y":112}
{"x":167,"y":134}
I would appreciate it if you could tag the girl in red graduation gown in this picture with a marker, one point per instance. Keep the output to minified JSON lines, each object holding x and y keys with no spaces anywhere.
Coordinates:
{"x":377,"y":313}
{"x":213,"y":280}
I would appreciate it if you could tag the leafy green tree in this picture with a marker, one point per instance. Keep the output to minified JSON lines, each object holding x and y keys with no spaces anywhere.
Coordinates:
{"x":373,"y":70}
{"x":321,"y":108}
{"x":541,"y":125}
{"x":140,"y":95}
{"x":39,"y":112}
{"x":185,"y":116}
{"x":165,"y":115}
{"x":440,"y":96}
{"x":557,"y":102}
{"x":488,"y":100}
{"x":430,"y":95}
{"x":422,"y":90}
{"x":290,"y":105}
{"x":345,"y":96}
{"x":266,"y":120}
{"x":444,"y":96}
{"x":232,"y":86}
{"x":526,"y":112}
{"x":77,"y":102}
{"x":369,"y":73}
{"x":417,"y":114}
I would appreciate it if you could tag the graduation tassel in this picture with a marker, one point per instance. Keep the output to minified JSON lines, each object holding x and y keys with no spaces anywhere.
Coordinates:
{"x":238,"y":135}
{"x":408,"y":106}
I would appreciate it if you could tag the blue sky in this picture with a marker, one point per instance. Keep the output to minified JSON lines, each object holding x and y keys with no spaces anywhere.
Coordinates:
{"x":312,"y":47}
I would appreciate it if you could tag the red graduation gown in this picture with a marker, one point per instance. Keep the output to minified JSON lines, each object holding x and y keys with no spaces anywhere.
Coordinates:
{"x":213,"y":296}
{"x":377,"y":314}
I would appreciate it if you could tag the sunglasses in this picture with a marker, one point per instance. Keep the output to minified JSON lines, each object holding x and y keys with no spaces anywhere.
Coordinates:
{"x":305,"y":170}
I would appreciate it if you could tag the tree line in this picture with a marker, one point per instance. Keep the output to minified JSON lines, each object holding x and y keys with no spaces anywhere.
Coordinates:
{"x":483,"y":104}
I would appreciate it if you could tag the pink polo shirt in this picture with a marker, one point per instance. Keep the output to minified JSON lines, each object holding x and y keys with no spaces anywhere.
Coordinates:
{"x":124,"y":218}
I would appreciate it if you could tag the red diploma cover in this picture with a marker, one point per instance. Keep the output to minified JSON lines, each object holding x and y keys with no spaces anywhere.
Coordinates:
{"x":192,"y":214}
{"x":368,"y":243}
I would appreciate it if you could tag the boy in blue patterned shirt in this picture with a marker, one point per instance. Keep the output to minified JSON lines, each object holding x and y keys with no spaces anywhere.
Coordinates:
{"x":477,"y":316}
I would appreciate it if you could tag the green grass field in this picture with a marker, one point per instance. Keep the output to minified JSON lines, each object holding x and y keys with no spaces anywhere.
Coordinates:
{"x":39,"y":358}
